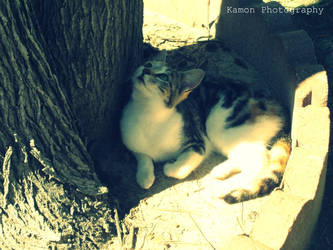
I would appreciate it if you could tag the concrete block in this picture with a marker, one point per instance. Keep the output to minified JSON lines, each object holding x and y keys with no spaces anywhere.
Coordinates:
{"x":305,"y":173}
{"x":285,"y":222}
{"x":298,"y":46}
{"x":311,"y":129}
{"x":253,"y":36}
{"x":312,"y":86}
{"x":243,"y":242}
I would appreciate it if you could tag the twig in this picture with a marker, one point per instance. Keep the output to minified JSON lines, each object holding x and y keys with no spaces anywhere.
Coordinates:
{"x":116,"y":217}
{"x":131,"y":238}
{"x":164,"y":40}
{"x":6,"y":174}
{"x":242,"y":215}
{"x":146,"y":234}
{"x":185,"y":243}
{"x":240,"y":225}
{"x":203,"y":235}
{"x":240,"y":220}
{"x":182,"y":211}
{"x":124,"y":228}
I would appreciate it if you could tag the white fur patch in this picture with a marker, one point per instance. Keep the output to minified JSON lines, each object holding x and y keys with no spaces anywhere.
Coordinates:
{"x":148,"y":127}
{"x":226,"y":140}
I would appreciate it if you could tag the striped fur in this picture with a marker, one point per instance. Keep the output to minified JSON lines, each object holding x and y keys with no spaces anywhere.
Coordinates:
{"x":163,"y":122}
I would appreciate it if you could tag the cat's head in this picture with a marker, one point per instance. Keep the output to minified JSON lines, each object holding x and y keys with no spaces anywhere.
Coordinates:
{"x":154,"y":79}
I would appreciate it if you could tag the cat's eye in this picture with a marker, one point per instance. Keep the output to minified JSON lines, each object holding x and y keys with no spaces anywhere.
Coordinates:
{"x":163,"y":77}
{"x":148,"y":65}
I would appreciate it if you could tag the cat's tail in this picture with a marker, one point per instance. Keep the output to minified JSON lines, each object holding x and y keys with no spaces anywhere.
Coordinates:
{"x":269,"y":178}
{"x":279,"y":155}
{"x":278,"y":159}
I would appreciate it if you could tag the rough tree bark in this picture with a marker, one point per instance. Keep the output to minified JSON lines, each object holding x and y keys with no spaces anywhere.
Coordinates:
{"x":62,"y":64}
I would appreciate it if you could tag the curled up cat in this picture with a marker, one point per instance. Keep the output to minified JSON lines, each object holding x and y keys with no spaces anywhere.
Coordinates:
{"x":176,"y":118}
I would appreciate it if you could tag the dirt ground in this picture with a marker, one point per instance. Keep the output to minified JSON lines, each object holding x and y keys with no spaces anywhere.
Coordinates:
{"x":176,"y":214}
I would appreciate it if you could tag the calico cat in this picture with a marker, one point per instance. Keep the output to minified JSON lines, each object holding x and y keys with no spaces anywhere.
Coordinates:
{"x":163,"y":122}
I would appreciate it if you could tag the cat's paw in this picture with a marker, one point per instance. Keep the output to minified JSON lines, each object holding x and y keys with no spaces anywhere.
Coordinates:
{"x":145,"y":178}
{"x":232,"y":190}
{"x":175,"y":171}
{"x":236,"y":189}
{"x":224,"y":170}
{"x":237,"y":195}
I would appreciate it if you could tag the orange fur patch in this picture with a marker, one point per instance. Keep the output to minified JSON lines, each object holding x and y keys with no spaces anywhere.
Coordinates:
{"x":279,"y":155}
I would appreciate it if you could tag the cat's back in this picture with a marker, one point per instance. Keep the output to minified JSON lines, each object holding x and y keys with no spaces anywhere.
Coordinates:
{"x":242,"y":115}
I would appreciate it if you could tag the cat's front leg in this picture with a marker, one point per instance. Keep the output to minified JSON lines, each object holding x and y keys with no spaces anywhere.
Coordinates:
{"x":185,"y":163}
{"x":145,"y":171}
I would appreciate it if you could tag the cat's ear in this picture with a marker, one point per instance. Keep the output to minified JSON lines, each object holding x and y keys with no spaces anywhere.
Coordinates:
{"x":161,"y":56}
{"x":192,"y":79}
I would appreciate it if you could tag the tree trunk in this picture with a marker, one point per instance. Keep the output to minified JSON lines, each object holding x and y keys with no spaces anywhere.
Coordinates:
{"x":62,"y":65}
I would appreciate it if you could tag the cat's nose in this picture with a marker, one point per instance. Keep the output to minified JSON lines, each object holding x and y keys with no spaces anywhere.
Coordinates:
{"x":146,"y":71}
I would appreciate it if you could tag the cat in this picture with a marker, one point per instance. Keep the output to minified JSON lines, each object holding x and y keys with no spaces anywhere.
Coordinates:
{"x":174,"y":118}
